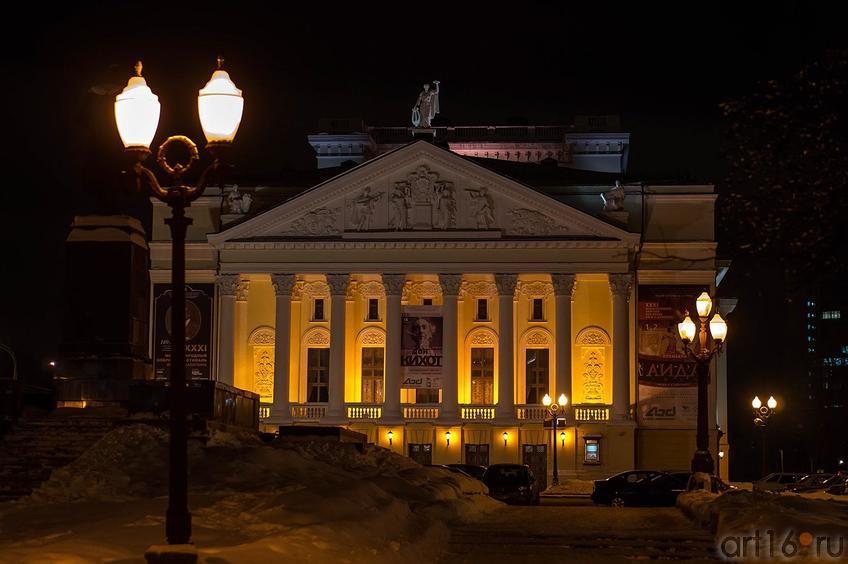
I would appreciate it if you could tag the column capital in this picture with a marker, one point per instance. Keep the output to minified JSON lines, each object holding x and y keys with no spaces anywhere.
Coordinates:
{"x":338,"y":284}
{"x":243,"y":288}
{"x":283,"y":284}
{"x":450,"y":284}
{"x":506,"y":283}
{"x":621,"y":284}
{"x":394,"y":283}
{"x":564,"y":284}
{"x":227,"y":284}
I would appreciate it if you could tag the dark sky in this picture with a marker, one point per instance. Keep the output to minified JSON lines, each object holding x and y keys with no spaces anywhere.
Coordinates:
{"x":663,"y":68}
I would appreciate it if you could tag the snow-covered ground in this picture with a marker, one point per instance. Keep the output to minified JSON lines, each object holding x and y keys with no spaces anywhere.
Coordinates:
{"x":251,"y":502}
{"x":569,"y":486}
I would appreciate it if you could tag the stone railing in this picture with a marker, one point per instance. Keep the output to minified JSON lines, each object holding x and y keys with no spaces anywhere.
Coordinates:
{"x":309,"y":411}
{"x":531,"y":412}
{"x":586,"y":413}
{"x":420,"y":411}
{"x":364,"y":411}
{"x":264,"y":411}
{"x":478,"y":413}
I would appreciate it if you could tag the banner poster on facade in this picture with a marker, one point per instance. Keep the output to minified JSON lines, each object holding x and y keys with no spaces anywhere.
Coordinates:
{"x":421,"y":347}
{"x":198,"y":330}
{"x":668,"y":382}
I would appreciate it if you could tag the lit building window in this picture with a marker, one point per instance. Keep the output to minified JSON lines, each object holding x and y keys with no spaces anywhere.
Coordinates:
{"x":482,"y":376}
{"x":372,"y":375}
{"x":318,"y":375}
{"x":835,"y":314}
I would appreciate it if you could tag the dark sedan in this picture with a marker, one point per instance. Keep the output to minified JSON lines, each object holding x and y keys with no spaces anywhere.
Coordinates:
{"x":471,"y":469}
{"x":512,"y":483}
{"x":638,"y":487}
{"x":840,"y":485}
{"x":814,"y":483}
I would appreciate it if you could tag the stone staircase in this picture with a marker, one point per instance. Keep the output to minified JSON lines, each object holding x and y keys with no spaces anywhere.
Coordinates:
{"x":38,"y":444}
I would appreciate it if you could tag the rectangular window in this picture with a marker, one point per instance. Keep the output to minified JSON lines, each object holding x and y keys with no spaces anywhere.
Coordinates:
{"x":831,"y":314}
{"x":482,"y":310}
{"x":537,"y":368}
{"x":482,"y":376}
{"x":373,"y":309}
{"x":318,"y":309}
{"x":427,"y":395}
{"x":428,"y":301}
{"x":592,"y":451}
{"x":318,"y":375}
{"x":538,"y":309}
{"x":372,"y":375}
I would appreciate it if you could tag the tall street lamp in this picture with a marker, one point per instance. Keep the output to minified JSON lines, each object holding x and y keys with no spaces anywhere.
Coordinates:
{"x":553,"y":409}
{"x":762,"y":412}
{"x":219,"y":106}
{"x":702,"y":461}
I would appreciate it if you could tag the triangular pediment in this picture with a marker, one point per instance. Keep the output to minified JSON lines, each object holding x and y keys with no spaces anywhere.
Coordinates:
{"x":421,"y":191}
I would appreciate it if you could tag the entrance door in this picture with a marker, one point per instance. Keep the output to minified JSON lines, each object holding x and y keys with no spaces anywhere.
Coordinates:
{"x":477,"y":455}
{"x":421,"y":453}
{"x":536,"y":457}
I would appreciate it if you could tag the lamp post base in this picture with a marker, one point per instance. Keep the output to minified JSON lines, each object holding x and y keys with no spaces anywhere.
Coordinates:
{"x":171,"y":554}
{"x":703,"y":462}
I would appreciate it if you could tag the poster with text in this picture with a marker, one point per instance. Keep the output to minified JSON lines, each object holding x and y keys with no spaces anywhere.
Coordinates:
{"x":668,"y":383}
{"x":421,"y":347}
{"x":198,"y":330}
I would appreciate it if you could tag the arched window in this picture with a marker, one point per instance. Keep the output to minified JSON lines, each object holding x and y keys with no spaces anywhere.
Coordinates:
{"x":481,"y":348}
{"x":316,"y":371}
{"x":371,"y":346}
{"x":536,"y":344}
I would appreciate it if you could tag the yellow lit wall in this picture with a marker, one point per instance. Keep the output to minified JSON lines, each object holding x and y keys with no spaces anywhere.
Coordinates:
{"x":466,"y":327}
{"x":592,"y":306}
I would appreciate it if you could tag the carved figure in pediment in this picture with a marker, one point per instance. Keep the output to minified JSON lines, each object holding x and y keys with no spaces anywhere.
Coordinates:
{"x":317,"y":222}
{"x":444,"y":205}
{"x":484,"y":213}
{"x":364,"y":206}
{"x":401,"y":206}
{"x":529,"y":222}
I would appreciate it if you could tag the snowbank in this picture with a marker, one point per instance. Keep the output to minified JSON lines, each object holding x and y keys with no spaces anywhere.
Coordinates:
{"x":571,"y":487}
{"x":250,"y":502}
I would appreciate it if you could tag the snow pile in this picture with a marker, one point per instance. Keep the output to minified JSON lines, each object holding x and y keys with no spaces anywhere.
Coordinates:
{"x":740,"y":512}
{"x":571,"y":487}
{"x":250,"y":501}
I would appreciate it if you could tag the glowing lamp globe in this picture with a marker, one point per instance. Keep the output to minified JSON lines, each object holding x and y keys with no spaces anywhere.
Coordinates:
{"x":546,"y":401}
{"x":772,"y":403}
{"x":686,"y":328}
{"x":756,"y":403}
{"x":563,"y":401}
{"x":704,"y":304}
{"x":137,"y":112}
{"x":220,"y":105}
{"x":718,"y":328}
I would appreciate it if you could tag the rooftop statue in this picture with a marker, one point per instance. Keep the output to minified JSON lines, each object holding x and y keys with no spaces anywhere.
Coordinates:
{"x":426,"y":106}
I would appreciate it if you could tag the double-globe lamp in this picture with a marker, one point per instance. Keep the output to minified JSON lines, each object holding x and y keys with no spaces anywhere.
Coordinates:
{"x":220,"y":106}
{"x":553,"y":409}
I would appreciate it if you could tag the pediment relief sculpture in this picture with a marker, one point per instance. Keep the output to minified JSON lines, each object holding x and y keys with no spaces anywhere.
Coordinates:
{"x":532,"y":223}
{"x":318,"y":222}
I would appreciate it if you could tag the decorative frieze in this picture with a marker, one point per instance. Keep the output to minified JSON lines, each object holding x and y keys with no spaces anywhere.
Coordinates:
{"x":473,"y":289}
{"x":318,"y":222}
{"x":535,"y":288}
{"x":532,"y":223}
{"x":311,"y":289}
{"x":369,"y":289}
{"x":419,"y":289}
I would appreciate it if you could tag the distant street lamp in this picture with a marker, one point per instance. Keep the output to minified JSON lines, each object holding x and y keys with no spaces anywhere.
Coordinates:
{"x":553,"y":409}
{"x":220,"y":106}
{"x":702,"y":461}
{"x":761,"y":416}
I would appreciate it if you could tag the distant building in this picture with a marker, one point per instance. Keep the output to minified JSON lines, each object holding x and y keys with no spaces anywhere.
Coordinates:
{"x":428,"y":288}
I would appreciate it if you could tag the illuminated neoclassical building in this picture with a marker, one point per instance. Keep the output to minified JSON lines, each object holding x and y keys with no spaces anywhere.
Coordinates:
{"x":531,"y":275}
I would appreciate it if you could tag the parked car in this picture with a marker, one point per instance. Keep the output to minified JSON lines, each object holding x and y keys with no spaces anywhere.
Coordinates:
{"x":638,"y":487}
{"x":717,"y":485}
{"x":512,"y":483}
{"x":450,"y":468}
{"x":840,"y":485}
{"x":471,"y":469}
{"x":777,"y":481}
{"x":813,"y":483}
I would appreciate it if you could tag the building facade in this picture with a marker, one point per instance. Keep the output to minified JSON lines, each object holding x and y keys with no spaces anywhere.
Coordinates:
{"x":429,"y":299}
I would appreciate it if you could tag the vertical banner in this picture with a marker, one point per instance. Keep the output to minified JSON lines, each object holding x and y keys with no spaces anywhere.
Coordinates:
{"x":198,"y":330}
{"x":668,"y":382}
{"x":421,"y":347}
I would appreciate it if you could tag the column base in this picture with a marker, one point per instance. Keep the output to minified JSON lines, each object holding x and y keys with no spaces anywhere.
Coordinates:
{"x":171,"y":554}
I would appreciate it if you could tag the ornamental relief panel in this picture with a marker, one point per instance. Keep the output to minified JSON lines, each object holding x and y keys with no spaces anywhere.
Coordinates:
{"x":319,"y":336}
{"x":593,"y":361}
{"x":478,"y":289}
{"x":592,"y":335}
{"x":418,"y":289}
{"x":368,"y":289}
{"x":535,"y":288}
{"x":318,"y":222}
{"x":482,"y":336}
{"x":261,"y":341}
{"x":311,"y":289}
{"x":530,"y":223}
{"x":372,"y":336}
{"x":538,"y":338}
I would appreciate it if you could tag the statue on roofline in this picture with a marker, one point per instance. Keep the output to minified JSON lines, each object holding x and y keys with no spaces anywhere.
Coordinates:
{"x":426,"y":106}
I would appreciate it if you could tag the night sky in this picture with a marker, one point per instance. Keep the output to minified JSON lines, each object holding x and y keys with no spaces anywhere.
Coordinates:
{"x":663,"y":69}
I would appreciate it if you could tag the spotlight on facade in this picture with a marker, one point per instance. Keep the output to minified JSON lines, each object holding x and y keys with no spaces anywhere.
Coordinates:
{"x":562,"y":438}
{"x":505,"y":437}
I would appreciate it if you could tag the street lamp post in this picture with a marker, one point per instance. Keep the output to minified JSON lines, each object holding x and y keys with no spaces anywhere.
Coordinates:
{"x":702,"y":461}
{"x":220,"y":106}
{"x":553,"y":409}
{"x":762,"y":413}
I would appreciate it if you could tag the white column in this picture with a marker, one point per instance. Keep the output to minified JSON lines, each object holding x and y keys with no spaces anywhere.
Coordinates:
{"x":564,"y":285}
{"x":241,"y":332}
{"x":338,"y":296}
{"x":450,"y":397}
{"x":227,"y":285}
{"x":506,"y":345}
{"x":393,"y":284}
{"x":620,"y":286}
{"x":283,"y":285}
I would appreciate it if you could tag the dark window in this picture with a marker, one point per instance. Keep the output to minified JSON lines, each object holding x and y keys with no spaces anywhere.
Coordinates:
{"x":421,"y":453}
{"x":536,"y":375}
{"x":482,"y":376}
{"x":482,"y":309}
{"x":372,"y":375}
{"x":478,"y":454}
{"x":318,"y":310}
{"x":428,"y":301}
{"x":538,"y":309}
{"x":373,"y":309}
{"x":318,"y":375}
{"x":427,"y":395}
